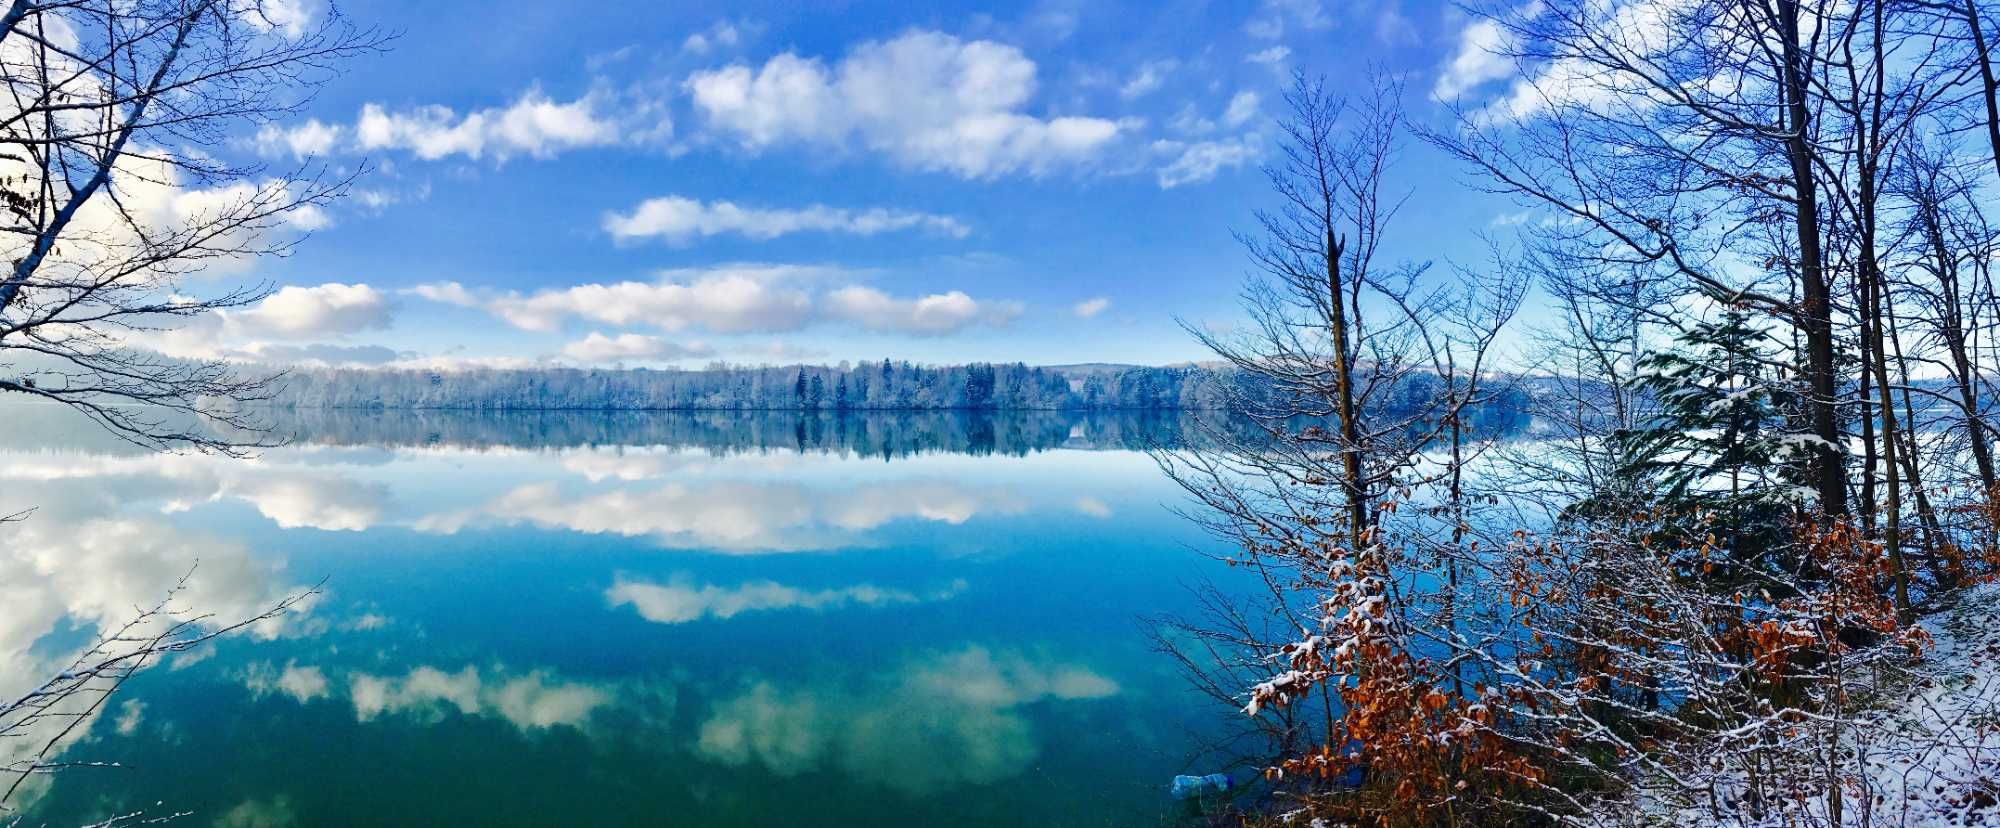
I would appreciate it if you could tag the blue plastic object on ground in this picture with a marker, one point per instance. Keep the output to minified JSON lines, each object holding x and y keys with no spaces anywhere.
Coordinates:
{"x":1189,"y":787}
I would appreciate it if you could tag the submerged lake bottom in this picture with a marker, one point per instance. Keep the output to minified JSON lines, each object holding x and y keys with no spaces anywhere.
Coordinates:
{"x":657,"y":618}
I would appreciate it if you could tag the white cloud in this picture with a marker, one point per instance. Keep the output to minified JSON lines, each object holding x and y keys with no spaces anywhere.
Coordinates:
{"x":1272,"y":57}
{"x":316,"y":354}
{"x":1271,"y":21}
{"x":728,"y":299}
{"x":1192,"y":163}
{"x":331,"y":309}
{"x":289,"y":18}
{"x":311,"y":138}
{"x":1479,"y":58}
{"x":1643,"y":28}
{"x":1241,"y":109}
{"x":679,"y":602}
{"x":533,"y":125}
{"x":927,"y":100}
{"x":200,"y":206}
{"x":450,"y":293}
{"x":731,"y":299}
{"x":1093,"y":507}
{"x":677,"y":219}
{"x":1091,"y":307}
{"x":1393,"y":28}
{"x":721,"y":35}
{"x":934,"y":315}
{"x":600,"y":348}
{"x":1150,"y":76}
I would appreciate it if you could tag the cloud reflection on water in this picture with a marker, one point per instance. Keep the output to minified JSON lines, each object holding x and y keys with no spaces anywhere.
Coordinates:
{"x":938,"y":722}
{"x":737,"y":516}
{"x":680,"y":600}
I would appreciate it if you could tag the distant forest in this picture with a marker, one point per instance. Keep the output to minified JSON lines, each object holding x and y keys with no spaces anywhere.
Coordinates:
{"x":872,"y":386}
{"x":885,"y":385}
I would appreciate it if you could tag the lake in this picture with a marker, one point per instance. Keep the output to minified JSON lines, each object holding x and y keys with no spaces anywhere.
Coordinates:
{"x":635,"y":618}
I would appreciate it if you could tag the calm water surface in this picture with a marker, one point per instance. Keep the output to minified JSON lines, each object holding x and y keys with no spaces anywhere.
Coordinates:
{"x":623,"y":619}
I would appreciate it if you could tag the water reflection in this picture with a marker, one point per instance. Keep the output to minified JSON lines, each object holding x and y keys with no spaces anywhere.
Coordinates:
{"x":936,"y":722}
{"x":681,"y":601}
{"x":870,"y":434}
{"x":734,"y":515}
{"x":498,"y":607}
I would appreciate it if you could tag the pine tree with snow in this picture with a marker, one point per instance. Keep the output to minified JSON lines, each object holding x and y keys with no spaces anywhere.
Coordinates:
{"x":1719,"y":457}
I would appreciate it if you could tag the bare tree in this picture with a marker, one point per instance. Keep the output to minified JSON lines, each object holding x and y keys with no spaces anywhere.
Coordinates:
{"x":1770,"y":261}
{"x":115,"y":116}
{"x":1347,"y":500}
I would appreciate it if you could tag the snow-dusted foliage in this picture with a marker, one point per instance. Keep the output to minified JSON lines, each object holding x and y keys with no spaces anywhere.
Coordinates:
{"x":1711,"y":594}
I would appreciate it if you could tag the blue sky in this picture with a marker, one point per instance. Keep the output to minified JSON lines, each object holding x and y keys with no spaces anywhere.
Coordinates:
{"x":670,"y":184}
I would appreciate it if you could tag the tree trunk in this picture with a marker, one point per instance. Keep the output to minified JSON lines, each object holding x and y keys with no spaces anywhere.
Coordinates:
{"x":1814,"y":316}
{"x":1350,"y":428}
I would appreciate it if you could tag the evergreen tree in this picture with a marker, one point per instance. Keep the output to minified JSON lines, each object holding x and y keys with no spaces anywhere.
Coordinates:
{"x":1718,"y":455}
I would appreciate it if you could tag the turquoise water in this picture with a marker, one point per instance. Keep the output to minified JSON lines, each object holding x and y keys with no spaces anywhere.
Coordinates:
{"x":710,"y":619}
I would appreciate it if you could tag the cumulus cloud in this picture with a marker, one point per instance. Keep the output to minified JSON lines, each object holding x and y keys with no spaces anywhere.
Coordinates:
{"x":722,"y":35}
{"x":1091,"y":307}
{"x":331,"y":309}
{"x":731,"y":299}
{"x":938,"y":722}
{"x":288,"y":18}
{"x":1644,"y":28}
{"x":1479,"y":58}
{"x":680,"y":601}
{"x":600,"y":348}
{"x":533,"y":125}
{"x":934,"y":315}
{"x":678,"y":220}
{"x":312,"y":138}
{"x":727,"y":299}
{"x":926,"y":100}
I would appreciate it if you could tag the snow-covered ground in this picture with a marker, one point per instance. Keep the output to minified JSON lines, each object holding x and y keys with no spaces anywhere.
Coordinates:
{"x":1925,"y":751}
{"x":1933,"y":755}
